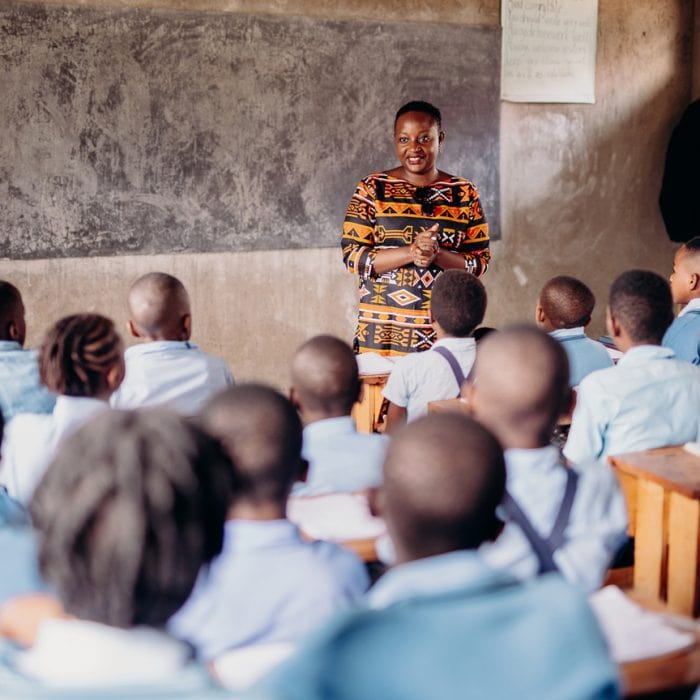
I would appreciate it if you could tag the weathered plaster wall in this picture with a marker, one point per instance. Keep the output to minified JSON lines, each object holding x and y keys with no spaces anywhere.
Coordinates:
{"x":579,"y":191}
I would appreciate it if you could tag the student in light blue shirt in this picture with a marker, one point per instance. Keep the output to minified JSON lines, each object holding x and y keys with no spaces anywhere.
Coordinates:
{"x":21,"y":391}
{"x":650,"y":398}
{"x":268,"y":585}
{"x":683,"y":335}
{"x":325,"y":386}
{"x":564,"y":309}
{"x":167,"y":369}
{"x":442,"y":623}
{"x":519,"y":390}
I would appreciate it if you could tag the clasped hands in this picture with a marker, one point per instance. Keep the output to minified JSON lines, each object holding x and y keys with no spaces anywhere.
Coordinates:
{"x":425,"y":247}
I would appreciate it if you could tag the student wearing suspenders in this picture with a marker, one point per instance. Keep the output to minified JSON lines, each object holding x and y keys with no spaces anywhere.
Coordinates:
{"x":457,"y":307}
{"x":559,"y":517}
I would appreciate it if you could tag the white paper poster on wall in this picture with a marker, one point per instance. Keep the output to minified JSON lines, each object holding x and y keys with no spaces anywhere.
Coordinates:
{"x":548,"y":50}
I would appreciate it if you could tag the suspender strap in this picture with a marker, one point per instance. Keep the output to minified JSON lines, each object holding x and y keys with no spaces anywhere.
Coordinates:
{"x":454,"y":365}
{"x":544,"y":548}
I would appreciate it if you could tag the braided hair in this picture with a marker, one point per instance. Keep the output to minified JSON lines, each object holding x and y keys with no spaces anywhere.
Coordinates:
{"x":129,"y":510}
{"x":77,"y":353}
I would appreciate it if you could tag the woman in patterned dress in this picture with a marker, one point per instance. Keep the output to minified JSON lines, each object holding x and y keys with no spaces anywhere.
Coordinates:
{"x":402,"y":228}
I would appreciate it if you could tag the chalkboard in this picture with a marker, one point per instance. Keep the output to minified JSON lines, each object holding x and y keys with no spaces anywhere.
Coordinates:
{"x":145,"y":131}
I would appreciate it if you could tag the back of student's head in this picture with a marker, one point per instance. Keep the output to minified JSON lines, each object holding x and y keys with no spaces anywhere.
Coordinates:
{"x":567,"y":302}
{"x":129,"y":510}
{"x":520,"y":385}
{"x":640,"y":300}
{"x":82,"y":355}
{"x":458,"y":302}
{"x":11,"y":313}
{"x":261,"y":431}
{"x":158,"y":302}
{"x":444,"y":476}
{"x":325,"y":377}
{"x":692,"y":246}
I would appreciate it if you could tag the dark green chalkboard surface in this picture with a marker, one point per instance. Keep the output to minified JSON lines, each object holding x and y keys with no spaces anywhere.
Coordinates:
{"x":157,"y":132}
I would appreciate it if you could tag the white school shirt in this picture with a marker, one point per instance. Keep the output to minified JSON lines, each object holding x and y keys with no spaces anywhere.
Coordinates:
{"x":267,"y":586}
{"x":649,"y":399}
{"x":31,"y":441}
{"x":426,"y":376}
{"x":176,"y":374}
{"x":597,"y":523}
{"x":340,"y":458}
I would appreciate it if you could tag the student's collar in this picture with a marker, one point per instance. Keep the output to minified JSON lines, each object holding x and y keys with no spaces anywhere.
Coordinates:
{"x":460,"y":571}
{"x":82,"y":654}
{"x":692,"y":305}
{"x":10,"y":346}
{"x":564,"y":333}
{"x":645,"y":352}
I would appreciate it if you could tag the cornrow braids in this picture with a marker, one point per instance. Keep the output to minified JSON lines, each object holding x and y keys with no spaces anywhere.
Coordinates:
{"x":128,"y":512}
{"x":77,"y":353}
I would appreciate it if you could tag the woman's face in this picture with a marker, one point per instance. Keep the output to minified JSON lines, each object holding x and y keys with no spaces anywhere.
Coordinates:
{"x":417,"y":141}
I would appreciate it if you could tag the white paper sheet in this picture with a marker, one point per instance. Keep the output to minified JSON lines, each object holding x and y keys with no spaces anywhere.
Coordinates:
{"x":633,"y":633}
{"x":372,"y":363}
{"x":548,"y":50}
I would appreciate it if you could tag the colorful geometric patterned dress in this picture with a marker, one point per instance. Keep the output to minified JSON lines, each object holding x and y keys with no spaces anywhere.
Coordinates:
{"x":387,"y":212}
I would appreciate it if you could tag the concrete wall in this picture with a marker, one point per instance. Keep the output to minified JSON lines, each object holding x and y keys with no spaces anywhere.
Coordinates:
{"x":579,"y":196}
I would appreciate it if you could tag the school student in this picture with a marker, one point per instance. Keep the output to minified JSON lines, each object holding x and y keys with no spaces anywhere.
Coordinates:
{"x":81,"y":359}
{"x":268,"y":585}
{"x":325,"y":386}
{"x":129,"y":511}
{"x":20,"y":388}
{"x":457,"y":307}
{"x":683,"y":335}
{"x":564,"y":309}
{"x":442,"y":623}
{"x":558,"y":517}
{"x":650,"y":398}
{"x":166,"y":369}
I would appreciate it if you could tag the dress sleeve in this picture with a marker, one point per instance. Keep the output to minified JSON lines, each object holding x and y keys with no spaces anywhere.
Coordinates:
{"x":474,"y":246}
{"x":357,"y":242}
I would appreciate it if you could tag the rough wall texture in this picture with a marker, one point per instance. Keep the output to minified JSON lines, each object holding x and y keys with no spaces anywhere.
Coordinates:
{"x":579,"y":191}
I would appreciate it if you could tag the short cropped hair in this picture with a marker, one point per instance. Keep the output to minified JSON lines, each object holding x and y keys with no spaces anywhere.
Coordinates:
{"x":262,"y":432}
{"x":10,"y":300}
{"x":641,"y":302}
{"x":567,"y":302}
{"x":131,"y":507}
{"x":76,"y":354}
{"x":458,"y":302}
{"x":692,"y":246}
{"x":420,"y":106}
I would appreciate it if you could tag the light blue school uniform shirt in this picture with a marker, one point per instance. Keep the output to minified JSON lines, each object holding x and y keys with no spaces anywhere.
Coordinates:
{"x":421,"y":377}
{"x":597,"y":525}
{"x":683,"y":335}
{"x":585,"y":355}
{"x":448,"y":626}
{"x":340,"y":458}
{"x":19,"y":562}
{"x":171,"y":373}
{"x":21,"y":390}
{"x":649,"y":399}
{"x":268,"y":585}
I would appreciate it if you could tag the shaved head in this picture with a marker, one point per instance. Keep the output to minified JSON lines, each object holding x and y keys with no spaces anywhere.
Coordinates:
{"x":567,"y":302}
{"x":444,"y":476}
{"x":520,"y":385}
{"x":261,"y":432}
{"x":325,"y":377}
{"x":158,"y":303}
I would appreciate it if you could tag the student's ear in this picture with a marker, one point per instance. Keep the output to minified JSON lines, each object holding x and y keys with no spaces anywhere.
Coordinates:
{"x":441,"y":138}
{"x":586,"y":321}
{"x":612,"y":324}
{"x":293,"y":398}
{"x":115,"y":376}
{"x":375,"y":501}
{"x":186,"y":326}
{"x":133,"y":330}
{"x":303,"y":473}
{"x":540,"y":316}
{"x":693,"y":281}
{"x":13,"y":332}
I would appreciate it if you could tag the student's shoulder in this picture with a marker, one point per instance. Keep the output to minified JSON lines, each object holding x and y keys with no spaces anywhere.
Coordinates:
{"x":336,"y":560}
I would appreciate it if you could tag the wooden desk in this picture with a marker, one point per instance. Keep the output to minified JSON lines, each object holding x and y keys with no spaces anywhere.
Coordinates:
{"x":448,"y":406}
{"x":367,"y":410}
{"x":662,"y":488}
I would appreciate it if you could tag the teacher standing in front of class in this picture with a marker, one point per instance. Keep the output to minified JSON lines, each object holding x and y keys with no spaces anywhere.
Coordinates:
{"x":403,"y":227}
